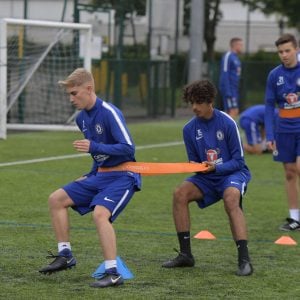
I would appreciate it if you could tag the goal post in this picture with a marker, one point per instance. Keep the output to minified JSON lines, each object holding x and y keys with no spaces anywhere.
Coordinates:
{"x":3,"y":81}
{"x":34,"y":56}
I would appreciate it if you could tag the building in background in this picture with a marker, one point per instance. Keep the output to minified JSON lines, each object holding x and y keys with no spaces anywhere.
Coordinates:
{"x":257,"y":30}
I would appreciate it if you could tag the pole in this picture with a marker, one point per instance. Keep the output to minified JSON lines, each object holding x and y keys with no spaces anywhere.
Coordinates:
{"x":64,"y":11}
{"x":25,"y":9}
{"x":22,"y":48}
{"x":76,"y":18}
{"x":248,"y":32}
{"x":196,"y":40}
{"x":119,"y":58}
{"x":3,"y":79}
{"x":149,"y":44}
{"x":174,"y":63}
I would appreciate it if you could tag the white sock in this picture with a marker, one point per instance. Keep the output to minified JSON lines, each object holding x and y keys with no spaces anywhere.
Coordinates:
{"x":264,"y":145}
{"x":294,"y":214}
{"x":110,"y":264}
{"x":63,"y":245}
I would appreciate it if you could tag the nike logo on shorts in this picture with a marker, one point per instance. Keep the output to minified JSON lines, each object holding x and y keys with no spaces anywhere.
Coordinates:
{"x":233,"y":182}
{"x":109,"y":200}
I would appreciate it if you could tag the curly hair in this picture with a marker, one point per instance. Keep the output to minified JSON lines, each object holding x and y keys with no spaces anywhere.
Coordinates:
{"x":200,"y":91}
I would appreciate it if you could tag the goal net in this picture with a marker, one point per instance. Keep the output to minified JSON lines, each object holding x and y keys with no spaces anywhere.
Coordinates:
{"x":34,"y":56}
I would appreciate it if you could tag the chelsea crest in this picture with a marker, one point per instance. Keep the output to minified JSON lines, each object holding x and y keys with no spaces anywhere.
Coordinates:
{"x":99,"y":128}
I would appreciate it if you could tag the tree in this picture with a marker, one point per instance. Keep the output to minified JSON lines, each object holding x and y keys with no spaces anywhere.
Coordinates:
{"x":287,"y":8}
{"x":124,"y":11}
{"x":212,"y":17}
{"x":138,"y":6}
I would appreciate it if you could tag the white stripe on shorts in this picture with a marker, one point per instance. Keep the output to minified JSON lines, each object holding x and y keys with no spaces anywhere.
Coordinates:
{"x":121,"y":202}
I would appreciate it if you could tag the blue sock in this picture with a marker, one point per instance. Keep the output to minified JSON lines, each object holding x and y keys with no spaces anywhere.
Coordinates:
{"x":112,"y":271}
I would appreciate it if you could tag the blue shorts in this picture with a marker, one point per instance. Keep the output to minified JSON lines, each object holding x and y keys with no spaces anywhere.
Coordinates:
{"x":252,"y":131}
{"x":112,"y":190}
{"x":288,"y":147}
{"x":213,"y":190}
{"x":229,"y":103}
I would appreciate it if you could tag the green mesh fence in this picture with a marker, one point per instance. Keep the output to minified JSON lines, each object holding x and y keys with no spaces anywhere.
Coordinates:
{"x":141,"y":88}
{"x":253,"y":81}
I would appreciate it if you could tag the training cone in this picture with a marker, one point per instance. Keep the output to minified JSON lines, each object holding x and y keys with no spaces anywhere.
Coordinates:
{"x":204,"y":235}
{"x":285,"y":240}
{"x":121,"y":267}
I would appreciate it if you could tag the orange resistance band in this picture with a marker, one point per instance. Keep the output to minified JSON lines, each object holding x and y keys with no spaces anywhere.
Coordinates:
{"x":146,"y":168}
{"x":289,"y":113}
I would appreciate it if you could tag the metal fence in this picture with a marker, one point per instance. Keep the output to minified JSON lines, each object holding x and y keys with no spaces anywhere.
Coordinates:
{"x":153,"y":88}
{"x":141,"y":88}
{"x":253,"y":81}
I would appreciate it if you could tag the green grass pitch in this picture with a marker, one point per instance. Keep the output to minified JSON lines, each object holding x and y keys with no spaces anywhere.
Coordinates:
{"x":145,"y":230}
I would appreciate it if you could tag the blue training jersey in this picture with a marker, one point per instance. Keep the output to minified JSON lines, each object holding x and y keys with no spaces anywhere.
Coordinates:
{"x":216,"y":140}
{"x":230,"y":73}
{"x":283,"y":90}
{"x":256,"y":113}
{"x":104,"y":125}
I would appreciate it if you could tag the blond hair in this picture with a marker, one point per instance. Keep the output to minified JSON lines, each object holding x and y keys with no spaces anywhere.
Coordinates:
{"x":77,"y":78}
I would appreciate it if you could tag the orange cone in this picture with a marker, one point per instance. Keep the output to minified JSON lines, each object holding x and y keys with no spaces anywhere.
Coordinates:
{"x":285,"y":240}
{"x":204,"y":235}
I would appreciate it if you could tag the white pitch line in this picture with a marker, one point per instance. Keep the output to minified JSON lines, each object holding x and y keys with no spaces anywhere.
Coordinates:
{"x":38,"y":160}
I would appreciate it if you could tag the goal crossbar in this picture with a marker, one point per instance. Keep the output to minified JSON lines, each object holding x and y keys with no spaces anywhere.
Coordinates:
{"x":47,"y":23}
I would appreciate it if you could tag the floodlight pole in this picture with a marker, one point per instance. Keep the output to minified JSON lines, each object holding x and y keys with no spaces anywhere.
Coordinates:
{"x":248,"y":32}
{"x":119,"y":57}
{"x":25,"y":9}
{"x":175,"y":62}
{"x":196,"y":40}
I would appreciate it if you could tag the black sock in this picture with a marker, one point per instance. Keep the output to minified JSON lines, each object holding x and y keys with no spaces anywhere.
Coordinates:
{"x":185,"y":242}
{"x":242,"y":246}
